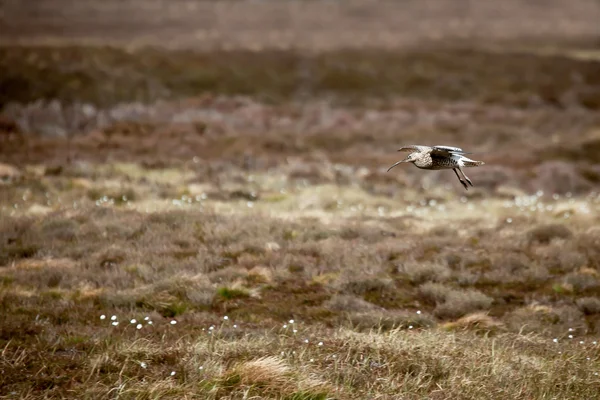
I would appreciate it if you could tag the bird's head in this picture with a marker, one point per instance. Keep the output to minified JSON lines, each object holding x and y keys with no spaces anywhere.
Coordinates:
{"x":412,"y":157}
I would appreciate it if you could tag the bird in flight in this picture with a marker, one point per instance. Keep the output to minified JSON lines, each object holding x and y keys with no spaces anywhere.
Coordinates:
{"x":440,"y":157}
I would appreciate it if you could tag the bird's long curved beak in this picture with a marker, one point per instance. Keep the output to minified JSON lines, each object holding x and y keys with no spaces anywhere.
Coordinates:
{"x":399,"y":162}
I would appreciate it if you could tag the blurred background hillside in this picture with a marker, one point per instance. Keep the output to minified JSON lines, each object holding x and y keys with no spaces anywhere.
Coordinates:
{"x":350,"y":80}
{"x":311,"y":25}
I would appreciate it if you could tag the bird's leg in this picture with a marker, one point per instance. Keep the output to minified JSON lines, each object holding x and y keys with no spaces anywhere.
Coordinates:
{"x":466,"y":178}
{"x":460,"y":179}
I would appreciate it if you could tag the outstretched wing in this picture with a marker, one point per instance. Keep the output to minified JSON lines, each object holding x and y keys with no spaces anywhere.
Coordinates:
{"x":413,"y":148}
{"x":447,"y":150}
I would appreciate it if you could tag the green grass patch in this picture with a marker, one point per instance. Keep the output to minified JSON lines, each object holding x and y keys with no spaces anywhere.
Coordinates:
{"x":232,"y":293}
{"x":306,"y":396}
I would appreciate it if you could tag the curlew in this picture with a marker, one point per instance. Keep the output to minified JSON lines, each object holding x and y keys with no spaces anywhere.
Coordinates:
{"x":440,"y":157}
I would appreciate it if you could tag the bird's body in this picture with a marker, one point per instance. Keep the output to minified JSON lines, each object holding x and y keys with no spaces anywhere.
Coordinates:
{"x":440,"y":157}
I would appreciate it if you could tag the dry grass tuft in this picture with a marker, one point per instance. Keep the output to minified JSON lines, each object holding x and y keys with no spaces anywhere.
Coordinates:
{"x":235,"y":291}
{"x":260,"y":274}
{"x":269,"y":373}
{"x":385,"y":320}
{"x":270,"y":376}
{"x":589,"y":305}
{"x":580,"y":282}
{"x":480,"y":323}
{"x":454,"y":303}
{"x":418,"y":273}
{"x":544,"y":319}
{"x":562,"y":257}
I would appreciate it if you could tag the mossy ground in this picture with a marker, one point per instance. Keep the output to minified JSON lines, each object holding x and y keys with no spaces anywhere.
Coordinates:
{"x":357,"y":279}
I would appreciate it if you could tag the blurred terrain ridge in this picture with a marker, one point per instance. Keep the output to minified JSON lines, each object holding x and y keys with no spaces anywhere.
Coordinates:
{"x":312,"y":25}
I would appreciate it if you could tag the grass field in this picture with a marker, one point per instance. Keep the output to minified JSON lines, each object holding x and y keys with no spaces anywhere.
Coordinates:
{"x":211,"y":217}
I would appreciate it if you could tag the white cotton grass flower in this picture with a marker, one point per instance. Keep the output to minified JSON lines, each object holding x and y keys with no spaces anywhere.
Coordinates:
{"x":113,"y":318}
{"x":146,"y":318}
{"x":320,"y":344}
{"x":226,"y":318}
{"x":172,"y":373}
{"x":150,"y":322}
{"x":133,"y":321}
{"x":103,"y":316}
{"x":291,"y":321}
{"x":284,"y":326}
{"x":201,"y":368}
{"x":138,"y":326}
{"x":235,"y":326}
{"x":555,"y":340}
{"x":418,"y":311}
{"x":295,"y":330}
{"x":173,"y":322}
{"x":143,"y":365}
{"x":305,"y":340}
{"x":410,"y":327}
{"x":570,"y":336}
{"x":115,"y":323}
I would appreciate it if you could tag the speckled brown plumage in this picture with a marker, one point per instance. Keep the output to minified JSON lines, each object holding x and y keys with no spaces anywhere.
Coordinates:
{"x":440,"y":157}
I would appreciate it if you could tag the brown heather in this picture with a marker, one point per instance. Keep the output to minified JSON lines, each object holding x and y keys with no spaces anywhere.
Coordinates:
{"x":223,"y":195}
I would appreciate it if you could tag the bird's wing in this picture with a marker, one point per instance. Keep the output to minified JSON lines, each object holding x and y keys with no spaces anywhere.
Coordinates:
{"x":447,"y":150}
{"x":413,"y":148}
